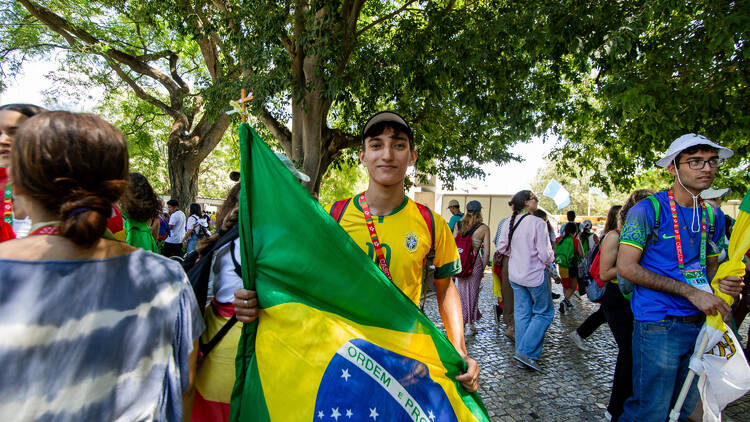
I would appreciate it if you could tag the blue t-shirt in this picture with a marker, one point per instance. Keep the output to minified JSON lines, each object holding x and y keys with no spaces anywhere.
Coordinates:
{"x":455,"y":219}
{"x":660,"y":256}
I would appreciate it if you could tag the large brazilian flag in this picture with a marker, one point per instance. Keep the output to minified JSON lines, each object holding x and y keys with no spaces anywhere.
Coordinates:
{"x":336,"y":340}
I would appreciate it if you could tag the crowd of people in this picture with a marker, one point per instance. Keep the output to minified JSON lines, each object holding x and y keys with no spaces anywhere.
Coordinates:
{"x":136,"y":341}
{"x":654,"y":288}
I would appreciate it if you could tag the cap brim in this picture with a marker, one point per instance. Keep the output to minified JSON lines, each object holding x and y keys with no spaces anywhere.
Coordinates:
{"x":384,"y":116}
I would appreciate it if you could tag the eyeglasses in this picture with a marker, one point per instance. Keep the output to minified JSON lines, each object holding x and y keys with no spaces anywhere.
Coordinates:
{"x":533,"y":198}
{"x":700,"y":164}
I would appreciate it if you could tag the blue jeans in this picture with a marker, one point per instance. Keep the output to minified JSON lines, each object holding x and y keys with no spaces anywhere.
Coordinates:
{"x":533,"y":313}
{"x":192,"y":242}
{"x":661,"y":354}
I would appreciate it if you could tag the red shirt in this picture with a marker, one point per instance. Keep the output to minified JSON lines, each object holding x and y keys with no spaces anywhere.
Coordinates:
{"x":6,"y":231}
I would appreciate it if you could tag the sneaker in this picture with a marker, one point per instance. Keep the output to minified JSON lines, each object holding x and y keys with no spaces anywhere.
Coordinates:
{"x":578,"y":340}
{"x":555,"y":295}
{"x":527,"y":361}
{"x":562,"y":307}
{"x":568,"y":303}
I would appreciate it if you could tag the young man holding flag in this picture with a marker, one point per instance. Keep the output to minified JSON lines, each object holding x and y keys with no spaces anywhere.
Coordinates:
{"x":388,"y":226}
{"x":672,"y":270}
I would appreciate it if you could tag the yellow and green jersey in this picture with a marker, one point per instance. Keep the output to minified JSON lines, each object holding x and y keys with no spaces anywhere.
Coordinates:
{"x":405,"y":239}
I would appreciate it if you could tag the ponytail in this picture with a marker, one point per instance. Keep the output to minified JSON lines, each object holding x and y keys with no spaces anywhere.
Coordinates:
{"x":84,"y":214}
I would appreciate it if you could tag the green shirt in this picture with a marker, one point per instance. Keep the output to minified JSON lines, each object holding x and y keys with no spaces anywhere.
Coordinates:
{"x":138,"y":234}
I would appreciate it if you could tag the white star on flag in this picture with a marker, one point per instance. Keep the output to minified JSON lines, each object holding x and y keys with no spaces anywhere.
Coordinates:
{"x":374,"y":413}
{"x":349,"y":413}
{"x":345,"y":374}
{"x":431,"y":415}
{"x":320,"y":414}
{"x":335,"y":413}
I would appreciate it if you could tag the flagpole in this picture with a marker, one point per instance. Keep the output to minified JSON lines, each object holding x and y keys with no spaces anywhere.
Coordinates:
{"x":675,"y":413}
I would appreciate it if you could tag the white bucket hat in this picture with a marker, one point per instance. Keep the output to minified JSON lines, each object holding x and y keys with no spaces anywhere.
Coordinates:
{"x":686,"y":141}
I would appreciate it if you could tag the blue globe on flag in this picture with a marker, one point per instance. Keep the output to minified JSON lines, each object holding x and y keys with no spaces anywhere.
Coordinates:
{"x":367,"y":382}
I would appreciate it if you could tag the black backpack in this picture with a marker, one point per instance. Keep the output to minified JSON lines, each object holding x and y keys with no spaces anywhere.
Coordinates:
{"x":198,"y":229}
{"x":198,"y":272}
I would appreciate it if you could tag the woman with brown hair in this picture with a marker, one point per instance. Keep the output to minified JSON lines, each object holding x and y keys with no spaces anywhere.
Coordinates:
{"x":471,"y":225}
{"x":140,"y":206}
{"x":524,"y":237}
{"x":94,"y":328}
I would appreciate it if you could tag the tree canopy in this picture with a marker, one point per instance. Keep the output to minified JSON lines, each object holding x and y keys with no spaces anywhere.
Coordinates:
{"x":660,"y":70}
{"x":617,"y":81}
{"x":472,"y":77}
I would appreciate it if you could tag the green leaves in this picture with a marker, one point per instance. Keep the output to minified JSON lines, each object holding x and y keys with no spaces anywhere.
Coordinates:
{"x":657,"y":70}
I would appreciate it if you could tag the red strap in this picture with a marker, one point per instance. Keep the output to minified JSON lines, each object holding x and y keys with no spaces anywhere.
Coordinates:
{"x":338,"y":208}
{"x":225,"y":310}
{"x":676,"y":226}
{"x":427,"y":215}
{"x":374,"y":237}
{"x":48,"y":230}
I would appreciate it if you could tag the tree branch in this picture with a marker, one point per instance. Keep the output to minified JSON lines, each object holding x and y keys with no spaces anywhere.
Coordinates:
{"x":277,"y":129}
{"x":386,"y":17}
{"x":176,"y":76}
{"x":140,"y":92}
{"x":148,"y":57}
{"x":73,"y":34}
{"x":209,"y":131}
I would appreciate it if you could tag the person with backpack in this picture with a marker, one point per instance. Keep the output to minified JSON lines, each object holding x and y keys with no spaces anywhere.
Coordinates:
{"x":472,"y":237}
{"x":524,"y":237}
{"x":398,"y":234}
{"x":568,"y":253}
{"x":455,"y":208}
{"x":216,"y":284}
{"x":596,"y":319}
{"x":196,"y":228}
{"x":586,"y":237}
{"x":140,"y":206}
{"x":668,"y":250}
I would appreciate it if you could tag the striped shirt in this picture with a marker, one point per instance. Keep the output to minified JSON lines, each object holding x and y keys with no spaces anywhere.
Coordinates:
{"x":95,"y":339}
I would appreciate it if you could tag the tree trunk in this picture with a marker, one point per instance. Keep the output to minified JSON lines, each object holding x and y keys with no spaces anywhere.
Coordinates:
{"x":185,"y":153}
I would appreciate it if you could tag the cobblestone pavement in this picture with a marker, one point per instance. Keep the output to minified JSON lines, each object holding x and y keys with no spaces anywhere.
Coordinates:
{"x":573,"y":385}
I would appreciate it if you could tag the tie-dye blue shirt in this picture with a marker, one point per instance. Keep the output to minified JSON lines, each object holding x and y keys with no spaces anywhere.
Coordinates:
{"x":660,"y":256}
{"x":96,"y":339}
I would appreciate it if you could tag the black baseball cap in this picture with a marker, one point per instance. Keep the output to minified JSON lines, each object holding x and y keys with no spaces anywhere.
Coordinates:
{"x":388,"y":116}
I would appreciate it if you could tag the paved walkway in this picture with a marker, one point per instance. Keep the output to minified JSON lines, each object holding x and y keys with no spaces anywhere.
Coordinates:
{"x":573,"y":385}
